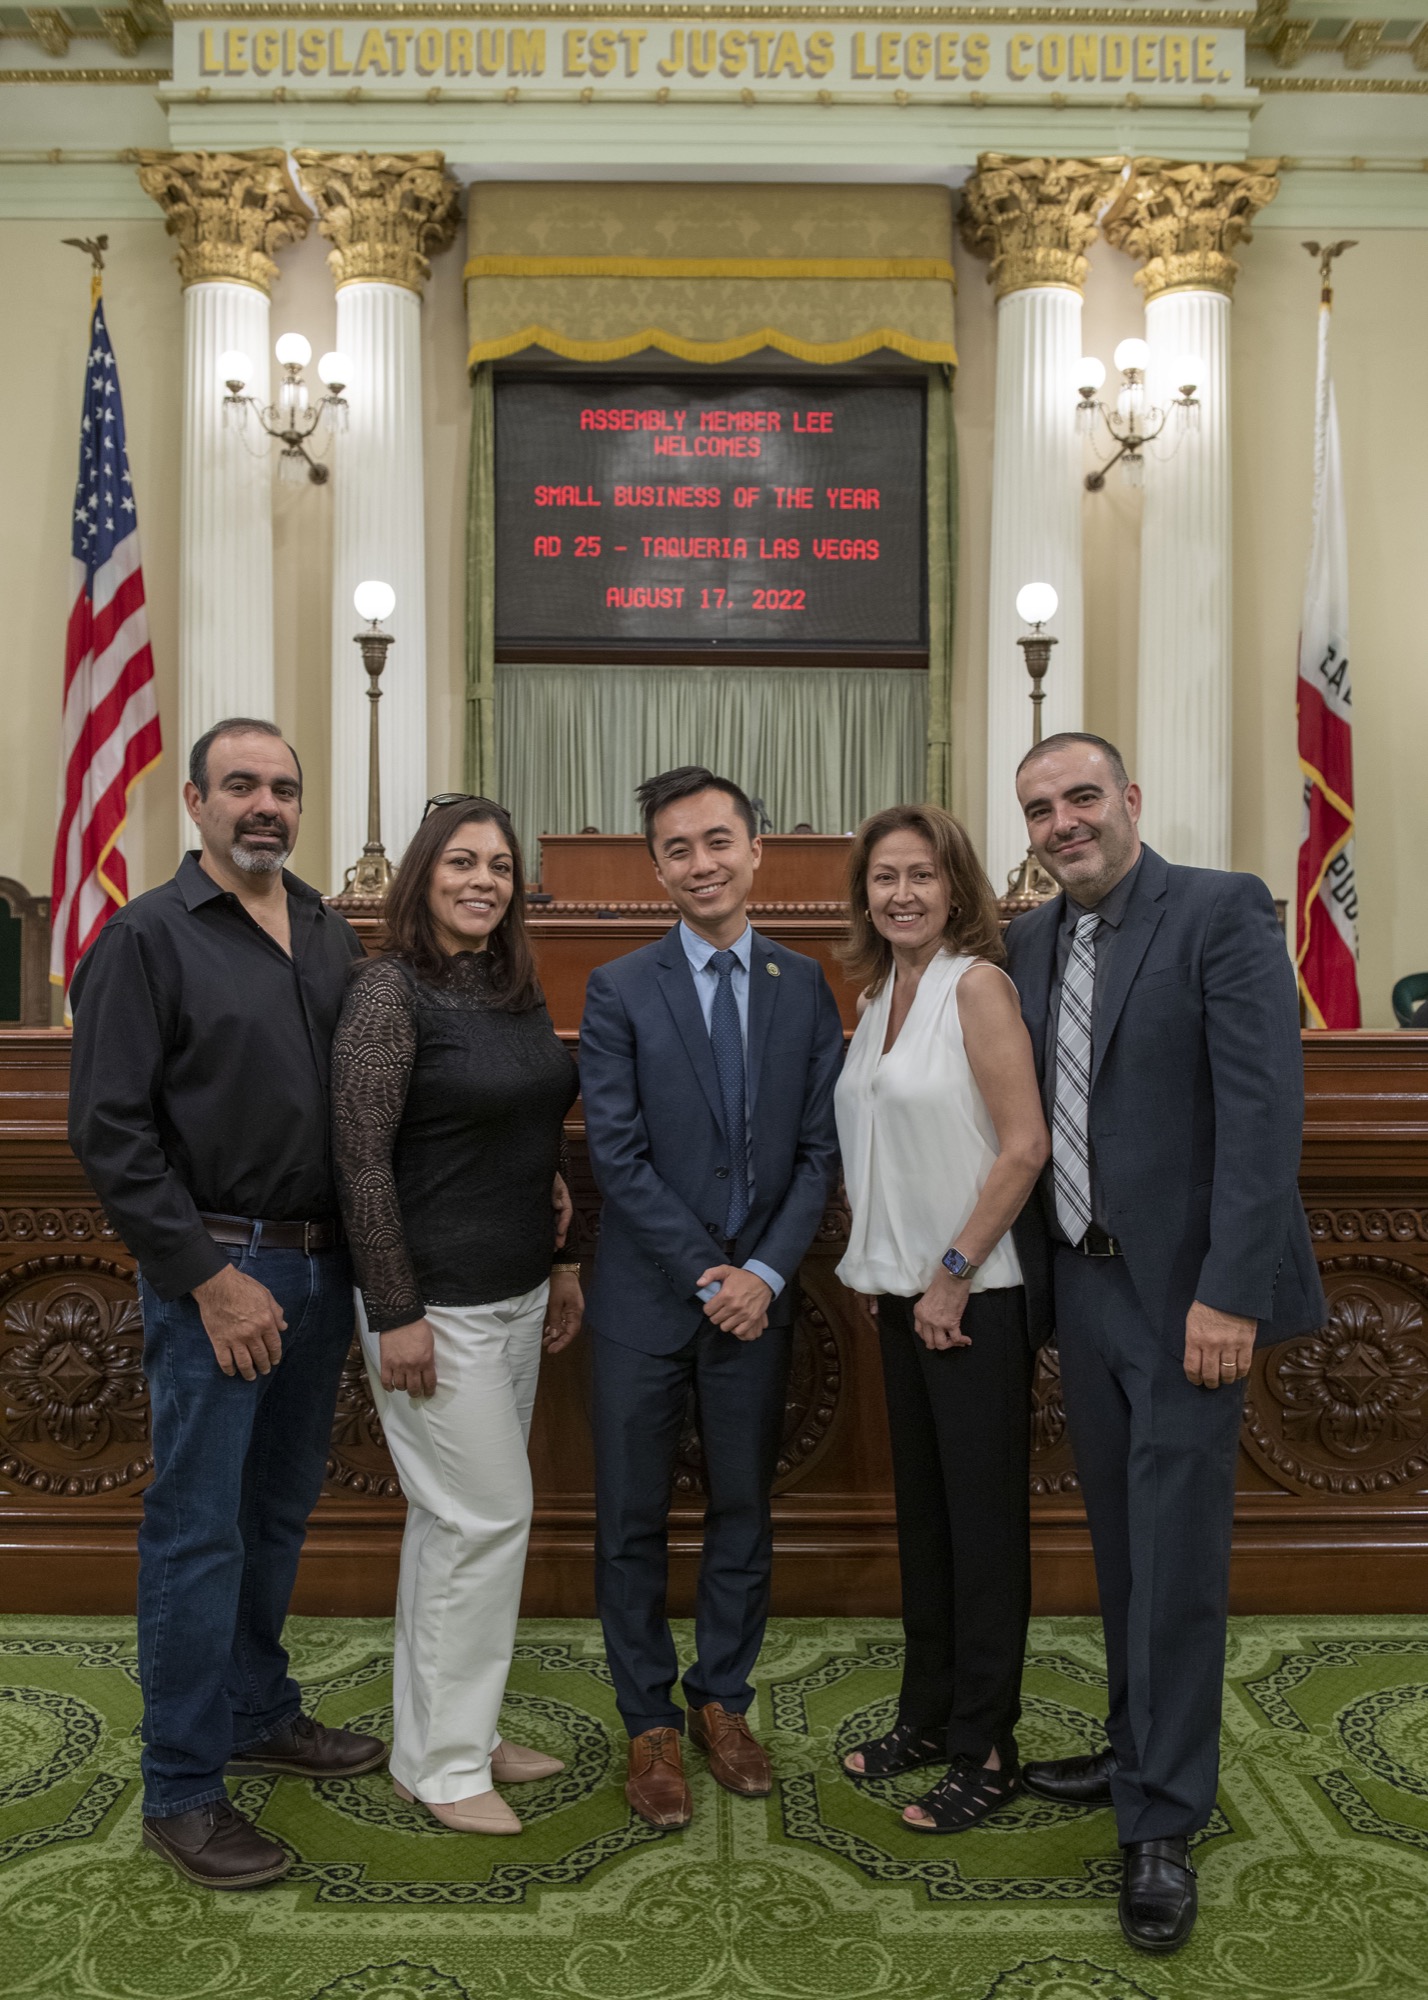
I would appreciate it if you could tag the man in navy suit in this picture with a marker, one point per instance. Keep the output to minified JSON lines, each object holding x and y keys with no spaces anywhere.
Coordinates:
{"x":707,"y":1066}
{"x":1163,"y":1014}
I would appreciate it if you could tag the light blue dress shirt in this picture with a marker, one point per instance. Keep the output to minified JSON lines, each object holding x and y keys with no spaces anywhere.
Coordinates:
{"x":699,"y":952}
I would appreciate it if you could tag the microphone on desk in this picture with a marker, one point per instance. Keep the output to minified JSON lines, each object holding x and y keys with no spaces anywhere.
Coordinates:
{"x":761,"y":813}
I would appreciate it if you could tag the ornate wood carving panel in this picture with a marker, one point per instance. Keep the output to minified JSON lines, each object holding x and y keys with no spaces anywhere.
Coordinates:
{"x":73,"y":1405}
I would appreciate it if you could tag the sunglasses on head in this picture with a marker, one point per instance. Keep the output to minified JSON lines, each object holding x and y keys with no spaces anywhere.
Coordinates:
{"x":463,"y":799}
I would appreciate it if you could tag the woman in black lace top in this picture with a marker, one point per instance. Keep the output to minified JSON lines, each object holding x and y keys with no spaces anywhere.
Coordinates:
{"x":450,"y":1088}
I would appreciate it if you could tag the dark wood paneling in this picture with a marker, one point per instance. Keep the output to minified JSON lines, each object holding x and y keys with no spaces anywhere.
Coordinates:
{"x":616,"y":868}
{"x":1333,"y":1504}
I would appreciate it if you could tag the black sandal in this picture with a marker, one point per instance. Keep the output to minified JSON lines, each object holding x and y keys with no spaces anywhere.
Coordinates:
{"x":904,"y":1748}
{"x":969,"y":1793}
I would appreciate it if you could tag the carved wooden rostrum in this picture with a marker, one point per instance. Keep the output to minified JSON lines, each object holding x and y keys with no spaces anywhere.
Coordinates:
{"x":1331,"y":1509}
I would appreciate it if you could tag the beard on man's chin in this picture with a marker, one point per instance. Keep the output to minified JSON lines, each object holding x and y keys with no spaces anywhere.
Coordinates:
{"x":259,"y":861}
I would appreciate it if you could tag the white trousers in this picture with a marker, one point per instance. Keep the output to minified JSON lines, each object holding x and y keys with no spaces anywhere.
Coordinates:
{"x":461,"y":1458}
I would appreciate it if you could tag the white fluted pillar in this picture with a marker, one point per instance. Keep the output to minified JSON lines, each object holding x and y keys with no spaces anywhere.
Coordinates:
{"x":385,"y":215}
{"x":230,"y":214}
{"x":1180,"y":220}
{"x":1183,"y":753}
{"x":225,"y":519}
{"x":1036,"y":538}
{"x":378,"y":531}
{"x":1034,"y":220}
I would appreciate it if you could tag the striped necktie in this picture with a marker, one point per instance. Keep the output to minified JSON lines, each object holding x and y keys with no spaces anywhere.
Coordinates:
{"x":728,"y":1039}
{"x":1070,"y":1144}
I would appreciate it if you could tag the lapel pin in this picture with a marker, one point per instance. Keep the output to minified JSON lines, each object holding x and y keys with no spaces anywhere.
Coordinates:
{"x":770,"y":968}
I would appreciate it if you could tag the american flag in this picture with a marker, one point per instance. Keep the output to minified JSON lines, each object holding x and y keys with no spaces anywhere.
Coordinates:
{"x":111,"y":712}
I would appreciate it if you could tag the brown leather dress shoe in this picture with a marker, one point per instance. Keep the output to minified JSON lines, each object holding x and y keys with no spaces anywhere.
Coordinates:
{"x":654,"y":1779}
{"x":311,"y":1750}
{"x":217,"y":1847}
{"x":737,"y":1760}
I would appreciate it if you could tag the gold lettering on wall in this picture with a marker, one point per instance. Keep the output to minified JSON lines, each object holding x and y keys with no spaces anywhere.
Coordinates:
{"x":1029,"y":59}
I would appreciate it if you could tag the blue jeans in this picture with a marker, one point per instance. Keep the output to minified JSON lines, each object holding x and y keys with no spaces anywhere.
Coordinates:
{"x":238,"y":1467}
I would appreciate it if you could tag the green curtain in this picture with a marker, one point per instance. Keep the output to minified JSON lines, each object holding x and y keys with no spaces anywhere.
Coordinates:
{"x":941,"y":583}
{"x":480,"y":757}
{"x":823,"y":744}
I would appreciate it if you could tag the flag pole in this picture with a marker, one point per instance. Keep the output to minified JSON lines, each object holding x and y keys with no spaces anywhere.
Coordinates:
{"x":1326,"y":906}
{"x":1326,"y":254}
{"x":96,"y":247}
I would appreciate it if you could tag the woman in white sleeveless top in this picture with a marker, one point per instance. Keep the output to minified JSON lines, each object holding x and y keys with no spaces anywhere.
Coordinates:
{"x":941,"y":1128}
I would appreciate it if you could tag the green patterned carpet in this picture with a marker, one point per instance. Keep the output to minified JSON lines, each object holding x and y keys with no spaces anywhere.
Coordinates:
{"x":1313,"y":1877}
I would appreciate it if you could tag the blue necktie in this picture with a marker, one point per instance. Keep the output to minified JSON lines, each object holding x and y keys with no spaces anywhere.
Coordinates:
{"x":728,"y":1041}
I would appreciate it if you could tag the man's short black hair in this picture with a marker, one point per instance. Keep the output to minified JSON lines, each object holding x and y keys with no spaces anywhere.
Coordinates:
{"x":657,"y":793}
{"x":1063,"y":741}
{"x":232,"y":725}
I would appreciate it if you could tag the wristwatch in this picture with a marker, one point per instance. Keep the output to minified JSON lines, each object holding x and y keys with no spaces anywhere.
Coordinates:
{"x":958,"y":1265}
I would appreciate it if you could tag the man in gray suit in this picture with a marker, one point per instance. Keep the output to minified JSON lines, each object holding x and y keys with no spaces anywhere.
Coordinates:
{"x":1172,"y":1241}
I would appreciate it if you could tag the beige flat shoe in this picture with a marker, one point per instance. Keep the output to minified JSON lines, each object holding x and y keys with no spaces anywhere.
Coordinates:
{"x":514,"y":1764}
{"x":486,"y":1812}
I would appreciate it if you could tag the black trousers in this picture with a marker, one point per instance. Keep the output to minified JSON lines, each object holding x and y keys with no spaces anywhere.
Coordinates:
{"x":960,"y":1419}
{"x":638,"y":1411}
{"x":1156,"y":1458}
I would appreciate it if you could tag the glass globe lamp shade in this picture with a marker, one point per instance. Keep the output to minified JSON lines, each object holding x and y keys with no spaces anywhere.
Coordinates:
{"x":1132,"y":354}
{"x":293,"y":350}
{"x":374,"y":601}
{"x":1187,"y":373}
{"x":234,"y":366}
{"x":1089,"y":374}
{"x":1036,"y":602}
{"x":335,"y":370}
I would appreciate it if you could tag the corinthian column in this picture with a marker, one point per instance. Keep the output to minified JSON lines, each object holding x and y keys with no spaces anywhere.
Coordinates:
{"x":1034,"y":220}
{"x":230,"y":214}
{"x":385,"y":216}
{"x":1183,"y":222}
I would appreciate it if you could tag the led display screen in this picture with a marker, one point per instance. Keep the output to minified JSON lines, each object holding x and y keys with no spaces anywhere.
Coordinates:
{"x":770,"y":515}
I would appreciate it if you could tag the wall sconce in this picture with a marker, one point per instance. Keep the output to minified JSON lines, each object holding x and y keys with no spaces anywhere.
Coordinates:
{"x":1136,"y":422}
{"x":294,"y":419}
{"x":1029,"y":885}
{"x":371,"y":874}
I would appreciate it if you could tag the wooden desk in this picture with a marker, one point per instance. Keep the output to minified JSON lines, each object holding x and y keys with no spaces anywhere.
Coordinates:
{"x":1332,"y":1513}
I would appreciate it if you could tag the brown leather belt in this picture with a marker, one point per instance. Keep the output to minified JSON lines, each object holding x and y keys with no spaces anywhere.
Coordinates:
{"x":240,"y":1231}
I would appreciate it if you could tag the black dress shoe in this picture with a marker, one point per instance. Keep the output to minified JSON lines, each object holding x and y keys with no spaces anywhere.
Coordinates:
{"x":1073,"y":1781}
{"x":1158,"y":1901}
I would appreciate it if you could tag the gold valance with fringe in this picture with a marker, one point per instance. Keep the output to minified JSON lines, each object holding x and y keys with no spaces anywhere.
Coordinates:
{"x":710,"y":274}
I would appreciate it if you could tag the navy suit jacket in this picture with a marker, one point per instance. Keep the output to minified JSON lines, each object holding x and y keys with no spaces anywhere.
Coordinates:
{"x":1196,"y":1110}
{"x":654,"y":1125}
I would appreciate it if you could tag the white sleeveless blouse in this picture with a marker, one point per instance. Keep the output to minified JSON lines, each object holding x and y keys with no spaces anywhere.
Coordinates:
{"x":917,"y":1142}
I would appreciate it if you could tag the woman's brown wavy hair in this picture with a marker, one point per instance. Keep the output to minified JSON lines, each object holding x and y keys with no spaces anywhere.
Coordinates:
{"x":973,"y":922}
{"x":411,"y":928}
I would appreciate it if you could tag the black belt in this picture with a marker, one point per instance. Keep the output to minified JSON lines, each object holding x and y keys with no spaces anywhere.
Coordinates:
{"x":1096,"y":1243}
{"x":240,"y":1231}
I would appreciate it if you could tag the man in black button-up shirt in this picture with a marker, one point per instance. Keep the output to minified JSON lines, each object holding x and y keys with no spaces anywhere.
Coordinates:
{"x":199,"y":1109}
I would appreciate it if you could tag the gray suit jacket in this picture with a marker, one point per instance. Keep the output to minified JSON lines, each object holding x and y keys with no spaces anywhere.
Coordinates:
{"x":1197,"y":1103}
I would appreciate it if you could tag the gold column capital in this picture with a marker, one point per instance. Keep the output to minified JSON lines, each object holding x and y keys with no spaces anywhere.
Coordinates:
{"x":385,"y":214}
{"x":1035,"y":219}
{"x":230,"y":212}
{"x":1182,"y":220}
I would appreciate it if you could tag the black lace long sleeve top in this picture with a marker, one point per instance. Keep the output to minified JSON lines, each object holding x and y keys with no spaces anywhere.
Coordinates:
{"x":447,"y":1116}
